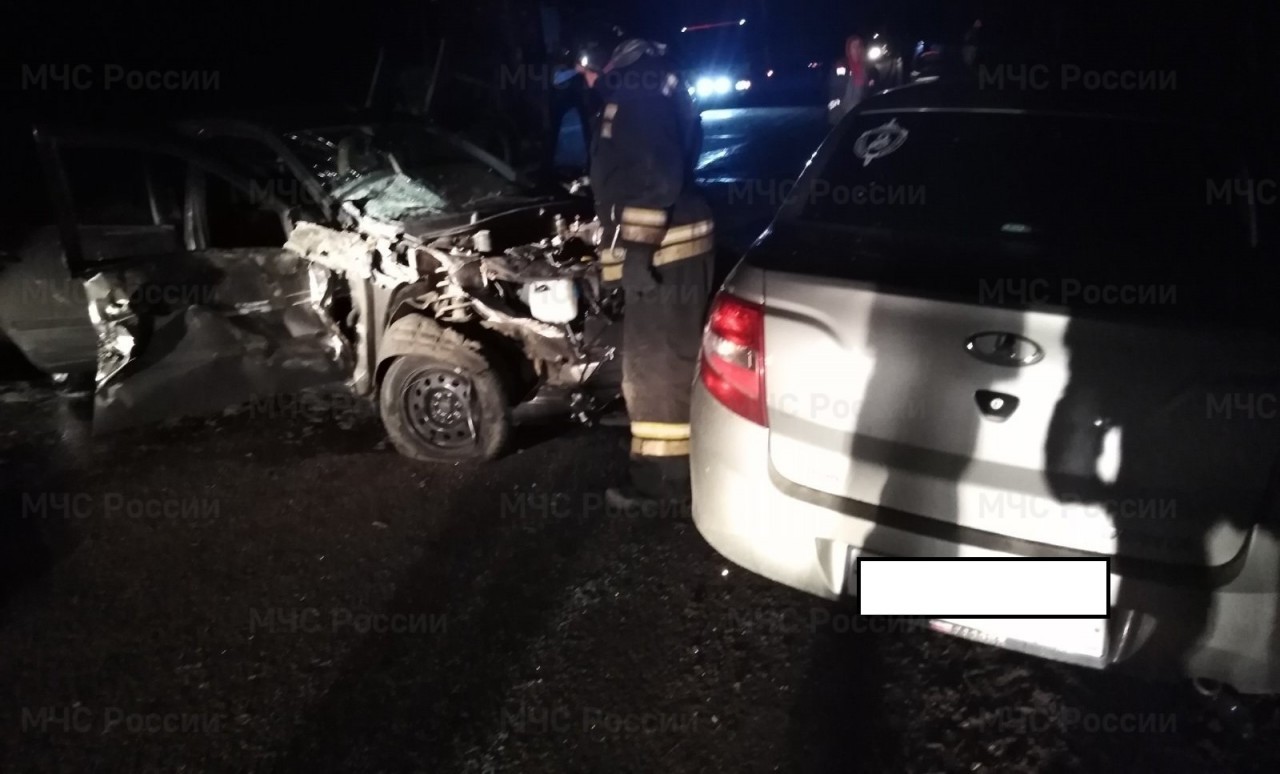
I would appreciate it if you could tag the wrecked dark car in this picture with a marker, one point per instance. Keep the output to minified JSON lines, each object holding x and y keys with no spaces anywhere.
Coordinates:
{"x":230,"y":261}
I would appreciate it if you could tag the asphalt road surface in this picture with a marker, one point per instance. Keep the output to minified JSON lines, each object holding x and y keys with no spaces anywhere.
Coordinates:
{"x":274,"y":589}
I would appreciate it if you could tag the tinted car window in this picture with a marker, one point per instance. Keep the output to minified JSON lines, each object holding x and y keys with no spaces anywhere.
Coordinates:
{"x":119,"y":187}
{"x":239,"y":218}
{"x":975,"y":205}
{"x":1032,"y":178}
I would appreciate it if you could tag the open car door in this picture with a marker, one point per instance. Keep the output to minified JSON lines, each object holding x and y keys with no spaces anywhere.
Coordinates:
{"x":195,"y":302}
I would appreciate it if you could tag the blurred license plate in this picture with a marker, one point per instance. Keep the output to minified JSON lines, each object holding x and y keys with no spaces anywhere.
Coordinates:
{"x":1073,"y":636}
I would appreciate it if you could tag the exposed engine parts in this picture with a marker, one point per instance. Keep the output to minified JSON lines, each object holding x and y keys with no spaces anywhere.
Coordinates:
{"x":545,"y":295}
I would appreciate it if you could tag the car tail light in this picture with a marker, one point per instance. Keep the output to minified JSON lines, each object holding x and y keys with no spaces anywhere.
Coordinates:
{"x":733,"y":357}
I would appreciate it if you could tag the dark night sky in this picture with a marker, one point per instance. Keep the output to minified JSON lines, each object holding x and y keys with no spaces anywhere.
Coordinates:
{"x":814,"y":25}
{"x":283,"y":47}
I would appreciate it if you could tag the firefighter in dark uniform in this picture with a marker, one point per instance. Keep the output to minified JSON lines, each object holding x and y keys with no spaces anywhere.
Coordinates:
{"x":659,"y":248}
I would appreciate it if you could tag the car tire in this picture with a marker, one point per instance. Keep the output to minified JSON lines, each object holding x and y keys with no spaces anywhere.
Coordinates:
{"x":446,"y":403}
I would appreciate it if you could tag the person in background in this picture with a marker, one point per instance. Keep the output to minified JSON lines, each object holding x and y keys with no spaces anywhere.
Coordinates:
{"x":972,"y":41}
{"x":568,"y":93}
{"x":850,"y":82}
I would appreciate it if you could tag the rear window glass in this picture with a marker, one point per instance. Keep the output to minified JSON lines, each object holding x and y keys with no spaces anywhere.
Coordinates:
{"x":1033,"y":179}
{"x":1036,"y":210}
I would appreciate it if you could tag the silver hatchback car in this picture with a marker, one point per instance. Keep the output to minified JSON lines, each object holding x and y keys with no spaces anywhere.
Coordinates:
{"x":986,"y":328}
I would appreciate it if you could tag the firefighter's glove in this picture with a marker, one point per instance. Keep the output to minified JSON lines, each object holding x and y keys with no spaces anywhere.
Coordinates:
{"x":642,"y":231}
{"x":638,"y":275}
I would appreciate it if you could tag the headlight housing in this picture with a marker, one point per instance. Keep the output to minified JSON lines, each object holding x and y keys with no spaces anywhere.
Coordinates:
{"x":714,"y":86}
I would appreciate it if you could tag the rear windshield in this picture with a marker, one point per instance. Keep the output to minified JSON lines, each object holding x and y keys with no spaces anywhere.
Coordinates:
{"x":1038,"y":178}
{"x":959,"y":201}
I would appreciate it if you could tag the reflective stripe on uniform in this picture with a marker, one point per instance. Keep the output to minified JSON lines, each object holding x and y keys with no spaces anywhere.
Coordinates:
{"x":606,"y":126}
{"x":611,"y":261}
{"x":660,"y":439}
{"x":660,"y":431}
{"x":642,"y":447}
{"x":684,"y":250}
{"x":645,"y":235}
{"x":640,"y":216}
{"x":692,"y":231}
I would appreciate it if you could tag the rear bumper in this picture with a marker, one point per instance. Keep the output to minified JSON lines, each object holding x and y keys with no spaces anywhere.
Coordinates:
{"x":1218,"y":625}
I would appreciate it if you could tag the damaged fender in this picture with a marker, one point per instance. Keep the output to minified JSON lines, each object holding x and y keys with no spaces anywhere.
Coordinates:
{"x":192,"y":333}
{"x":409,"y":335}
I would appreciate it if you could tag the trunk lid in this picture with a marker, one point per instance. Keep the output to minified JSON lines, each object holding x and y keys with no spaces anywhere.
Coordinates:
{"x":1149,"y":441}
{"x":1050,"y":327}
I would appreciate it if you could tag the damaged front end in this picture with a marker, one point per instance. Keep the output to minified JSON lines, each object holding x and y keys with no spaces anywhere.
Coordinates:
{"x":544,"y":296}
{"x":400,"y":224}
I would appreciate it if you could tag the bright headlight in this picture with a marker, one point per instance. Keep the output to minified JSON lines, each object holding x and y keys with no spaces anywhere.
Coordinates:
{"x":717,"y":86}
{"x":875,"y":52}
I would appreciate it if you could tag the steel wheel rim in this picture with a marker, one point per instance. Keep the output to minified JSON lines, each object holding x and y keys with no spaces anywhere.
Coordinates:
{"x":441,"y":408}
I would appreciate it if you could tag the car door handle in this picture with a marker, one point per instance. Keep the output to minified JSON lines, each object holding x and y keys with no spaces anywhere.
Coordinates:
{"x":996,"y":406}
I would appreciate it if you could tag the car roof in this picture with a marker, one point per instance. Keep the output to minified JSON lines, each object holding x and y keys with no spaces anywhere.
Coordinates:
{"x":304,"y":117}
{"x":163,"y":121}
{"x":968,"y":94}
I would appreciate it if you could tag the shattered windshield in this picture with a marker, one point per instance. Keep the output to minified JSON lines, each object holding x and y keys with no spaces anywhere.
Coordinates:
{"x":398,"y":171}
